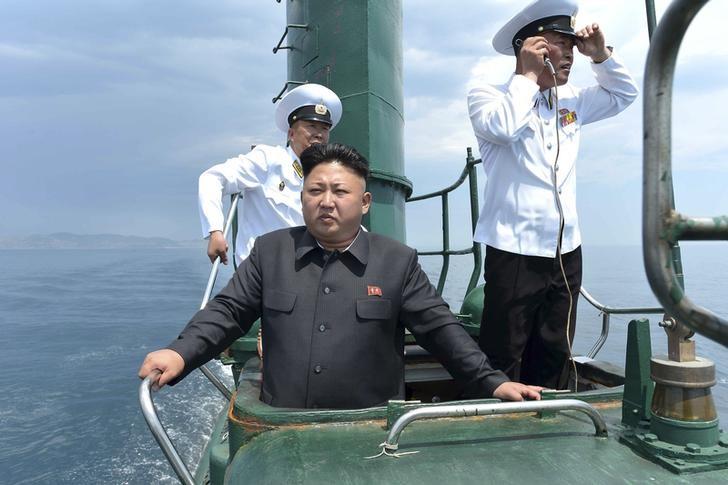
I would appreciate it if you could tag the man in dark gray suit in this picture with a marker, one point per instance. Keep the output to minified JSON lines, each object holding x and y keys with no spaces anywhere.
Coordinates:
{"x":334,"y":302}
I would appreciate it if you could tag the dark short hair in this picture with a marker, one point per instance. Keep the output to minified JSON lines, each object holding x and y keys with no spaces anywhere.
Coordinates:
{"x":334,"y":152}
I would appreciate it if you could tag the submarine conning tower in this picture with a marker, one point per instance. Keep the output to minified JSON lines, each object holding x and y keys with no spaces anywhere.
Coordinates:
{"x":355,"y":49}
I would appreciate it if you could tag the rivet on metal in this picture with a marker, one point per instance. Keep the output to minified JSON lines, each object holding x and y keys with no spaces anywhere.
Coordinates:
{"x":692,"y":448}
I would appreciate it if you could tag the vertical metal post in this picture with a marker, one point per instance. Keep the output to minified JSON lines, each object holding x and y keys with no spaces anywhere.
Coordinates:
{"x":474,"y":216}
{"x":355,"y":48}
{"x":675,"y":249}
{"x":651,"y":17}
{"x":445,"y":243}
{"x":638,"y":387}
{"x":234,"y":201}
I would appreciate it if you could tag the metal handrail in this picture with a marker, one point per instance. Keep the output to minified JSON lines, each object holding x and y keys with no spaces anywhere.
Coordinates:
{"x":279,"y":96}
{"x":662,"y":225}
{"x":651,"y":17}
{"x":280,"y":47}
{"x":216,"y":265}
{"x":208,"y":291}
{"x":158,"y":431}
{"x":466,"y":410}
{"x":607,"y":311}
{"x":145,"y":389}
{"x":468,"y":172}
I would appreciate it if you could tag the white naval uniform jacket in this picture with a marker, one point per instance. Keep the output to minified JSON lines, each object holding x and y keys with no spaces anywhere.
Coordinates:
{"x":270,"y":189}
{"x":515,"y":129}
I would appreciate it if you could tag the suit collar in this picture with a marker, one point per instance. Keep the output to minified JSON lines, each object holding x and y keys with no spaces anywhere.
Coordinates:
{"x":359,"y":249}
{"x":305,"y":244}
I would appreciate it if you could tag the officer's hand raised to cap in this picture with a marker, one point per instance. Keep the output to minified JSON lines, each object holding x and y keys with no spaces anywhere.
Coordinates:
{"x":590,"y":42}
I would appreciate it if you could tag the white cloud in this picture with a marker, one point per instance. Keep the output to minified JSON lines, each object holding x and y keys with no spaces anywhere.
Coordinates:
{"x":490,"y":68}
{"x":697,"y":139}
{"x":437,"y":130}
{"x":20,"y":51}
{"x":135,"y":79}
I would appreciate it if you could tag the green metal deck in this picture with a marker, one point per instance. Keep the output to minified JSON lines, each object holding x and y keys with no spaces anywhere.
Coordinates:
{"x":503,"y":449}
{"x":256,"y":443}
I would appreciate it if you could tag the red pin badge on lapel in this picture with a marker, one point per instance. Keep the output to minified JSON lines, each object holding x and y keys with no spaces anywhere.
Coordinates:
{"x":374,"y":291}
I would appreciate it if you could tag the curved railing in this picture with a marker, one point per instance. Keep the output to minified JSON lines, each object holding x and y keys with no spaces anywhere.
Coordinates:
{"x":158,"y":431}
{"x":662,"y":226}
{"x":485,"y":409}
{"x":469,"y":173}
{"x":145,"y":389}
{"x":216,"y":265}
{"x":208,"y":291}
{"x":607,"y":312}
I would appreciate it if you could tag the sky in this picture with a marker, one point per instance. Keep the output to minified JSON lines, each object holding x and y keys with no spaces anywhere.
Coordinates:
{"x":110,"y":110}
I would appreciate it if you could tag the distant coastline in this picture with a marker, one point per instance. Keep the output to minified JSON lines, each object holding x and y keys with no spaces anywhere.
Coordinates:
{"x":67,"y":240}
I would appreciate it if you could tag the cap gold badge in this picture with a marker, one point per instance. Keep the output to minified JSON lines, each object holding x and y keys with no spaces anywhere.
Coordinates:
{"x":321,"y":109}
{"x":573,"y":21}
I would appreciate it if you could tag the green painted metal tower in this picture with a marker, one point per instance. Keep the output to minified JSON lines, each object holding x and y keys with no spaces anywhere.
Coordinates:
{"x":354,"y":48}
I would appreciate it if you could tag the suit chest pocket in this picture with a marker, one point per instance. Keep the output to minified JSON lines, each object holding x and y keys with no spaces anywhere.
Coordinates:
{"x":279,"y":301}
{"x":379,"y":309}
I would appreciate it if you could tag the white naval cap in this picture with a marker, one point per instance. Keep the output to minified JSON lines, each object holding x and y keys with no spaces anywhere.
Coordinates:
{"x":537,"y":17}
{"x":308,"y":102}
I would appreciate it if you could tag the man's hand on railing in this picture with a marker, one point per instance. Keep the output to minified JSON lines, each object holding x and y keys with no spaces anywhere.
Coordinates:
{"x":168,"y":362}
{"x":515,"y":391}
{"x":217,"y":246}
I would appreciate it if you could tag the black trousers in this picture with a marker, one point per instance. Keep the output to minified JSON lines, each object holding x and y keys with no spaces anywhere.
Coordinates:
{"x":523,"y":331}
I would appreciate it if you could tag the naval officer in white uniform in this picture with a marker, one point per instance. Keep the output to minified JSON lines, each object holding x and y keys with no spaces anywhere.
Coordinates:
{"x":269,"y":178}
{"x":528,"y":133}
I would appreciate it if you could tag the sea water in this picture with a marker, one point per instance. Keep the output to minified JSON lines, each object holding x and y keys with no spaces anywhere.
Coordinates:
{"x":75,"y":326}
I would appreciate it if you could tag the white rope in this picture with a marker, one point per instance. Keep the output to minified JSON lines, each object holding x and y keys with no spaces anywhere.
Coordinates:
{"x":386,"y":451}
